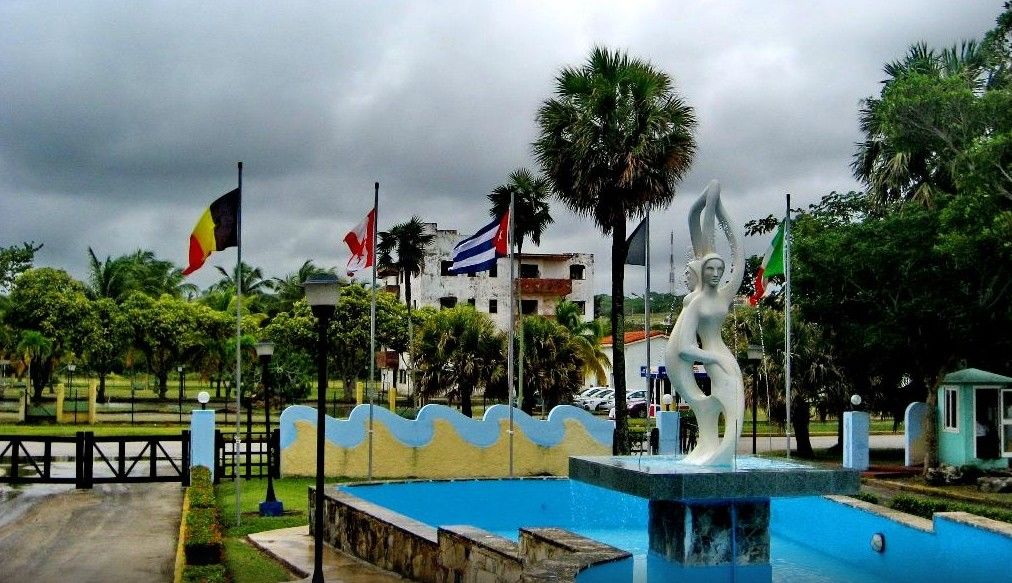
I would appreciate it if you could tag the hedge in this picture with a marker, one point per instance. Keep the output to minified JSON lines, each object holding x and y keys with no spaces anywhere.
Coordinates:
{"x":201,"y":490}
{"x":205,"y":574}
{"x":203,"y":544}
{"x":925,"y":507}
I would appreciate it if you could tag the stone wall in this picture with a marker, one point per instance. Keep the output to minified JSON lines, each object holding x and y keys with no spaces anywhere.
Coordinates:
{"x":457,"y":554}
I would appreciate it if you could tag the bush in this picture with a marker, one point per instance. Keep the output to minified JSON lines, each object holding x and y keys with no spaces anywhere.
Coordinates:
{"x":926,"y":507}
{"x":203,"y":544}
{"x":866,"y":497}
{"x":205,"y":574}
{"x":200,"y":476}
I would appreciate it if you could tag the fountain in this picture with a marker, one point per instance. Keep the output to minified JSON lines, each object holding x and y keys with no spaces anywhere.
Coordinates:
{"x":710,"y":508}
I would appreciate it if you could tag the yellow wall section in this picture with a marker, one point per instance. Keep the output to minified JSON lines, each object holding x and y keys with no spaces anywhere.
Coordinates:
{"x":446,"y":456}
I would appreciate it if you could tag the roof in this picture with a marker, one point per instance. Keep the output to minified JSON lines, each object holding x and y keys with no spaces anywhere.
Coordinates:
{"x":632,"y":337}
{"x":975,"y":376}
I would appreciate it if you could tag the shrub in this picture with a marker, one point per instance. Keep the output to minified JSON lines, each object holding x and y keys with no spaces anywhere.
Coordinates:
{"x":866,"y":497}
{"x":205,"y":574}
{"x":203,"y":544}
{"x":925,"y":507}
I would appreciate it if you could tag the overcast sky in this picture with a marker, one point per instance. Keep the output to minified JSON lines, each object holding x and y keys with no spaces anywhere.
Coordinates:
{"x":121,"y":121}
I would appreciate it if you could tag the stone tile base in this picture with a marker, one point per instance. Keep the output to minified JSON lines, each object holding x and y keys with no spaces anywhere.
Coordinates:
{"x":711,"y":533}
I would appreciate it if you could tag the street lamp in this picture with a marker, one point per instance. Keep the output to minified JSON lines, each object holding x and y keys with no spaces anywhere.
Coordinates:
{"x":70,"y":387}
{"x":179,"y":369}
{"x":321,"y":294}
{"x":855,"y":400}
{"x":271,"y":506}
{"x":203,"y":397}
{"x":754,"y":354}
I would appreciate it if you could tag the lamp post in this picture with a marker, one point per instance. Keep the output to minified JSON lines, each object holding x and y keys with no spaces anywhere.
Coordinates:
{"x":270,"y":506}
{"x":70,"y":387}
{"x":755,"y":354}
{"x":321,"y":294}
{"x":179,"y":369}
{"x":203,"y":397}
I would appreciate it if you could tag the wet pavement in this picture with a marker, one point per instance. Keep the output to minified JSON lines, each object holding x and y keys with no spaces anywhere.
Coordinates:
{"x":294,"y":548}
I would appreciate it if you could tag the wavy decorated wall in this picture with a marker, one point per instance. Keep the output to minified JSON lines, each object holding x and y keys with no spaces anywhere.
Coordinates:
{"x":442,"y":443}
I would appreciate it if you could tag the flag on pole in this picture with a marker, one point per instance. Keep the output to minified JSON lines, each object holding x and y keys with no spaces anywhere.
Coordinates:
{"x":360,"y":241}
{"x":773,"y":264}
{"x":217,"y":229}
{"x":480,"y":251}
{"x":637,"y":245}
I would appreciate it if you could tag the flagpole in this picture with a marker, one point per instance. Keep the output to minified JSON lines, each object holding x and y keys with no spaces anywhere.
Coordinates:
{"x":646,"y":313}
{"x":238,"y":352}
{"x":372,"y":318}
{"x":512,"y":334}
{"x":787,"y":318}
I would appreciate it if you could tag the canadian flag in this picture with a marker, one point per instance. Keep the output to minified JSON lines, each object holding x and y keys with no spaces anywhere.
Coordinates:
{"x":360,"y":241}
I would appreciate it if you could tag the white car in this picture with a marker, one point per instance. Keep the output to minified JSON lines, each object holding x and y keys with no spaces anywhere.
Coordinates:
{"x":598,"y":401}
{"x":587,"y":394}
{"x":637,"y":395}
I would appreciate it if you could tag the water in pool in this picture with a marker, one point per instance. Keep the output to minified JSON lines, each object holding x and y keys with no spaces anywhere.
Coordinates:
{"x":812,"y":539}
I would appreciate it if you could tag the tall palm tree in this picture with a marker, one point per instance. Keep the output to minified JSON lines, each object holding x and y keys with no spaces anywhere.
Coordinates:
{"x":403,"y":248}
{"x":252,"y":279}
{"x":614,"y":140}
{"x":530,"y":205}
{"x":553,"y":365}
{"x":109,"y":278}
{"x":289,"y":288}
{"x":588,"y":336}
{"x":34,"y":345}
{"x":156,"y":277}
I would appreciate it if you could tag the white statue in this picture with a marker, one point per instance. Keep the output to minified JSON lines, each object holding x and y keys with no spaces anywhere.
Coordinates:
{"x":696,"y":335}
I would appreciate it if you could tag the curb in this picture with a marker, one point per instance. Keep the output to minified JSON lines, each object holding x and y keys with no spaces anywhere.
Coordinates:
{"x":180,"y":557}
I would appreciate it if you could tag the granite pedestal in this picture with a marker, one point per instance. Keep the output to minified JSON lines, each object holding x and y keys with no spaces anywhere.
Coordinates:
{"x":710,"y":516}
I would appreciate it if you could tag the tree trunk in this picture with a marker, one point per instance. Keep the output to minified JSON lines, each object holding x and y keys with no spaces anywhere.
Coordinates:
{"x":411,"y":341}
{"x":618,"y":255}
{"x":465,"y":403}
{"x":800,"y":420}
{"x":163,"y":383}
{"x":931,"y":422}
{"x":101,"y":387}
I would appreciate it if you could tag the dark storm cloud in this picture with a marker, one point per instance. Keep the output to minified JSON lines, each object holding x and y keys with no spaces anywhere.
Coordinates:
{"x":121,"y":122}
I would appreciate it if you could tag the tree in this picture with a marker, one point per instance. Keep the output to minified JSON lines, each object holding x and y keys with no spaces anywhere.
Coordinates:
{"x":156,"y":277}
{"x":530,"y":205}
{"x":614,"y":141}
{"x":107,"y":339}
{"x":110,"y":278}
{"x":34,"y":346}
{"x":460,"y":351}
{"x":54,"y":304}
{"x":553,"y":366}
{"x":588,"y":336}
{"x":289,"y":288}
{"x":403,"y":249}
{"x":14,"y":260}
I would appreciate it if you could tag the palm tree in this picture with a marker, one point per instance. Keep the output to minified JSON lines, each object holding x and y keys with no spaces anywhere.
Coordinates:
{"x":614,"y":141}
{"x":109,"y":278}
{"x":33,"y":345}
{"x":588,"y":336}
{"x":403,"y":248}
{"x":156,"y":277}
{"x":553,"y":366}
{"x":252,"y":279}
{"x":530,"y":205}
{"x":900,"y":167}
{"x":289,"y":288}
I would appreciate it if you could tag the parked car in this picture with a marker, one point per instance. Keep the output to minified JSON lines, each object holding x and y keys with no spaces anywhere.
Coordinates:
{"x":586,"y":394}
{"x":598,"y":401}
{"x":636,"y":404}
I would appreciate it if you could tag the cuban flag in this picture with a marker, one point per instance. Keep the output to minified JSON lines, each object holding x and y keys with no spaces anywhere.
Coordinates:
{"x":480,"y":251}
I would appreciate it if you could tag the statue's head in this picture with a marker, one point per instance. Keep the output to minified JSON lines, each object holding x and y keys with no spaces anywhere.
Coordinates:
{"x":711,"y":269}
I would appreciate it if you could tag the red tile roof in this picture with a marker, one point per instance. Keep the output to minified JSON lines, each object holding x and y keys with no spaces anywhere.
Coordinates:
{"x":636,"y":336}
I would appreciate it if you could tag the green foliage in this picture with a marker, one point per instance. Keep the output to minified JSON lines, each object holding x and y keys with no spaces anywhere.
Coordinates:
{"x":107,"y":340}
{"x":14,"y":260}
{"x":201,"y":490}
{"x":926,"y":507}
{"x":203,"y":542}
{"x":866,"y":497}
{"x":587,"y":337}
{"x":205,"y":574}
{"x":530,"y":205}
{"x":553,"y":365}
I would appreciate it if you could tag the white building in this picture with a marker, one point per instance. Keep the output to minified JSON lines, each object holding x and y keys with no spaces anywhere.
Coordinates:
{"x":545,"y":279}
{"x":636,"y":356}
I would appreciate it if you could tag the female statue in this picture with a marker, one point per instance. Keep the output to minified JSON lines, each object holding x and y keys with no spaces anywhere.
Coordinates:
{"x":696,"y":334}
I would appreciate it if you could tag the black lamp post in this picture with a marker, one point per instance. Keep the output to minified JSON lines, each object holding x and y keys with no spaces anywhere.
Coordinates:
{"x":179,"y":369}
{"x":322,"y":294}
{"x":755,"y":354}
{"x":270,"y":506}
{"x":70,"y":387}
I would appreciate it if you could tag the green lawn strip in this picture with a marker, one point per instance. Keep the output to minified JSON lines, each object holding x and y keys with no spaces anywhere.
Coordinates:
{"x":243,"y":562}
{"x":925,"y":506}
{"x":100,"y":429}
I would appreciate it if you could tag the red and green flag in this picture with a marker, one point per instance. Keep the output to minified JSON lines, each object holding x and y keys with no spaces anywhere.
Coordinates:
{"x":773,"y":264}
{"x":217,"y":229}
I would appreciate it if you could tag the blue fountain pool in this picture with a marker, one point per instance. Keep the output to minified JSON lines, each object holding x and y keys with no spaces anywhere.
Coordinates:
{"x":814,"y":539}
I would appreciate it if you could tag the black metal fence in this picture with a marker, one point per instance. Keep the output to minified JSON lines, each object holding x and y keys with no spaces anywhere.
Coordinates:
{"x":250,"y":455}
{"x":119,"y":459}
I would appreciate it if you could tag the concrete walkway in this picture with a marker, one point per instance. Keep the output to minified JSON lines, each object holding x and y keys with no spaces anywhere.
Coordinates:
{"x":117,"y":532}
{"x":294,"y":548}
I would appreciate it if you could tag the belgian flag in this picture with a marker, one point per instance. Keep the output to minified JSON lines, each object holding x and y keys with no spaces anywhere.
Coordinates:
{"x":217,"y":229}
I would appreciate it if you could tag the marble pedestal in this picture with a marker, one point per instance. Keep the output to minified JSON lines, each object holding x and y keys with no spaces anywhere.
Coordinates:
{"x":711,"y":516}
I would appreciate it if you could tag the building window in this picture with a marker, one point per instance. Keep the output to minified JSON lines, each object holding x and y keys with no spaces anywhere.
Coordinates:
{"x":577,"y":272}
{"x":582,"y":305}
{"x":950,"y":410}
{"x":529,"y":270}
{"x":493,"y":306}
{"x":444,"y":267}
{"x":528,"y":306}
{"x":403,"y":374}
{"x":447,"y":302}
{"x":470,"y":302}
{"x":494,"y":272}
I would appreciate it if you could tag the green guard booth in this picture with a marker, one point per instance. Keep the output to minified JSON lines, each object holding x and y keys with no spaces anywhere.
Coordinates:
{"x":975,"y":419}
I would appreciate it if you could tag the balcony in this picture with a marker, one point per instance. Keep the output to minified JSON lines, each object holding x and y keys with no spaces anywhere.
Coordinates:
{"x":545,"y":287}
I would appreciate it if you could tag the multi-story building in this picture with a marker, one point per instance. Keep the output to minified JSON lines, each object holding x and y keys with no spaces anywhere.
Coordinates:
{"x":544,"y":279}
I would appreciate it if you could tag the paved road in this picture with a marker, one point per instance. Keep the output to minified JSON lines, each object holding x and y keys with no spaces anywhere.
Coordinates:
{"x":117,"y":532}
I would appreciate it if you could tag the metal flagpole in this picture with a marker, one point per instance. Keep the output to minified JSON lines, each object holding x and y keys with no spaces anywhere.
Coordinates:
{"x":512,"y":335}
{"x":646,"y":311}
{"x":238,"y":354}
{"x":787,"y":318}
{"x":372,"y":319}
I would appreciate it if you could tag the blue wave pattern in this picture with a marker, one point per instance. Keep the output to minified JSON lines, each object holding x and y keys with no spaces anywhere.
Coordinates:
{"x":419,"y":432}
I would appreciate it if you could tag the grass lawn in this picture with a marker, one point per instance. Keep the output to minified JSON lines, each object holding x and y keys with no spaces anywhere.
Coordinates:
{"x":100,"y":429}
{"x":245,"y":563}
